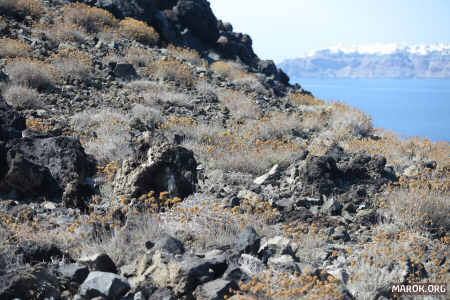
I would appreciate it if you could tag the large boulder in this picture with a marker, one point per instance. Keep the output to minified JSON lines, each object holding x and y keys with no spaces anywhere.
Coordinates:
{"x":215,"y":290}
{"x":199,"y":18}
{"x":23,"y":284}
{"x":99,"y":262}
{"x":64,"y":157}
{"x":164,"y":168}
{"x":30,"y":179}
{"x":181,"y":274}
{"x":337,"y":173}
{"x":322,"y":172}
{"x":139,"y":9}
{"x":103,"y":284}
{"x":248,"y":241}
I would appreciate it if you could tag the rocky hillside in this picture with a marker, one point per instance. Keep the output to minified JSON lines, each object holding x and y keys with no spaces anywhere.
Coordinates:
{"x":390,"y":61}
{"x":147,"y":153}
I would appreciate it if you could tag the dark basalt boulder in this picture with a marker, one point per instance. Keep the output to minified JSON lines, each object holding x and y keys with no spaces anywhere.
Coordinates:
{"x":199,"y":18}
{"x":322,"y":172}
{"x":30,"y":179}
{"x":337,"y":173}
{"x":34,"y":252}
{"x":11,"y":122}
{"x":45,"y":167}
{"x":23,"y":284}
{"x":63,"y":156}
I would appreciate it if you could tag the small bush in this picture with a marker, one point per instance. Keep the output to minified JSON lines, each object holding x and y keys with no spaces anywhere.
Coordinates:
{"x":179,"y":99}
{"x":72,"y":64}
{"x":274,"y":126}
{"x":173,"y":70}
{"x":139,"y":31}
{"x":349,"y":121}
{"x":13,"y":48}
{"x":189,"y":55}
{"x":297,"y":99}
{"x":150,"y":116}
{"x":206,"y":91}
{"x":156,"y":95}
{"x":240,"y":106}
{"x":250,"y":83}
{"x":141,"y":85}
{"x":138,"y":57}
{"x":108,"y":134}
{"x":229,"y":70}
{"x":21,"y":7}
{"x":61,"y":32}
{"x":21,"y":97}
{"x":31,"y":73}
{"x":92,"y":19}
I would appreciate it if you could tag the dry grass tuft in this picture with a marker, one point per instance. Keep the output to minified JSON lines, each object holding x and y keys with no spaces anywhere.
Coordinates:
{"x":229,"y":70}
{"x":297,"y":99}
{"x":63,"y":31}
{"x":189,"y":55}
{"x":13,"y":48}
{"x":90,"y":18}
{"x":173,"y":70}
{"x":139,"y":31}
{"x":139,"y":57}
{"x":240,"y":105}
{"x":73,"y":64}
{"x":31,"y":73}
{"x":106,"y":134}
{"x":21,"y":97}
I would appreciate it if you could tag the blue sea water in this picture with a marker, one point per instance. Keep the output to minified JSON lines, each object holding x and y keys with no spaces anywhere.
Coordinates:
{"x":408,"y":107}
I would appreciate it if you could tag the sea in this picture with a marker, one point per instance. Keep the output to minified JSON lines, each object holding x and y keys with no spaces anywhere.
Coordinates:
{"x":407,"y":107}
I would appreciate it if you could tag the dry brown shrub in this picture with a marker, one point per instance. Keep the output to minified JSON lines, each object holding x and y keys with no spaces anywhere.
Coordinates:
{"x":61,"y":32}
{"x":139,"y":57}
{"x":13,"y":48}
{"x":303,"y":99}
{"x":139,"y":31}
{"x":21,"y":7}
{"x":92,"y":19}
{"x":189,"y":55}
{"x":173,"y":70}
{"x":229,"y":70}
{"x":72,"y":64}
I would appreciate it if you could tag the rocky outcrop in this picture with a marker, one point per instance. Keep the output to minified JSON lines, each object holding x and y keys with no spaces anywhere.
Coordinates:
{"x":163,"y":168}
{"x":192,"y":23}
{"x":329,"y":174}
{"x":49,"y":164}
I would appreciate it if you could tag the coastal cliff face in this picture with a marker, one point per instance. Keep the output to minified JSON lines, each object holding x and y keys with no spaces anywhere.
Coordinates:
{"x":147,"y":153}
{"x":399,"y":62}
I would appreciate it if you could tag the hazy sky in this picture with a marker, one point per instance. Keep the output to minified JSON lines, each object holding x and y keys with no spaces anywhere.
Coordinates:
{"x":290,"y":28}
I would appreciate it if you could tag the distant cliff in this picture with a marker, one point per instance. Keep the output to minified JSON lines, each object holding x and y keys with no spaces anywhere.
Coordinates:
{"x":380,"y":61}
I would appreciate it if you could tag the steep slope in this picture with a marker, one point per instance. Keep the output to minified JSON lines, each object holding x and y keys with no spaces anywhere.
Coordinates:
{"x":134,"y":167}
